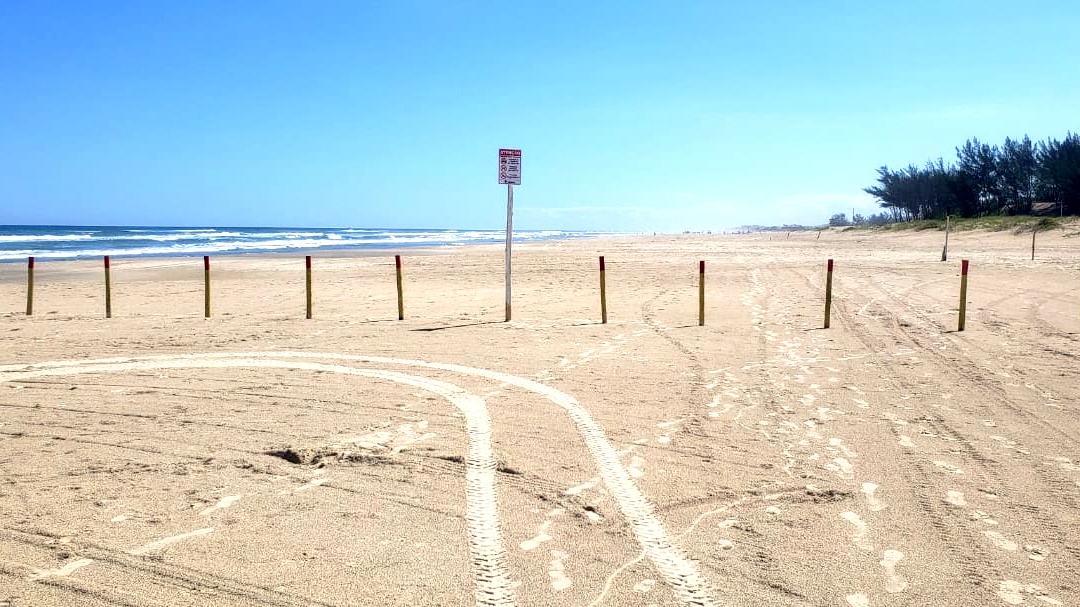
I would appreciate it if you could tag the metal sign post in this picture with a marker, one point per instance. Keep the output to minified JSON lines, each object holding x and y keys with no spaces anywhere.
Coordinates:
{"x":510,"y":174}
{"x":509,"y":241}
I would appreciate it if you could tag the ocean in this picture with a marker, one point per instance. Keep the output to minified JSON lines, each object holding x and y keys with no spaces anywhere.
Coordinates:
{"x":79,"y":242}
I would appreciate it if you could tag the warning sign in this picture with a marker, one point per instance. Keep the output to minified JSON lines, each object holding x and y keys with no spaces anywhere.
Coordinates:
{"x":510,"y":166}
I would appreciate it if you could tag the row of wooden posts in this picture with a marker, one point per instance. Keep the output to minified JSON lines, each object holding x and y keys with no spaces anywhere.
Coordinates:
{"x":401,"y":299}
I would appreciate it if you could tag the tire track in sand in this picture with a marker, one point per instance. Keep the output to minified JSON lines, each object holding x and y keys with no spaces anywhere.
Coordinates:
{"x":491,"y":573}
{"x":679,"y":572}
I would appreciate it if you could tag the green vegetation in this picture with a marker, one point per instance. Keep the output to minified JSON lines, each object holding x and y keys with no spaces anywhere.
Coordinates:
{"x":1018,"y":178}
{"x":992,"y":223}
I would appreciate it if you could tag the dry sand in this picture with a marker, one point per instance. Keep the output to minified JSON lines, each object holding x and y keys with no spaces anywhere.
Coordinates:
{"x":258,"y":458}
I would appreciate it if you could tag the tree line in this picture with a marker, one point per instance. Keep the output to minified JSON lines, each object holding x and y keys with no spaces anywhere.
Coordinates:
{"x":985,"y":180}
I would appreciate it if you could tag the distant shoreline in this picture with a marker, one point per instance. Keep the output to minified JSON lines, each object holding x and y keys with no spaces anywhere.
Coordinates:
{"x":73,"y":243}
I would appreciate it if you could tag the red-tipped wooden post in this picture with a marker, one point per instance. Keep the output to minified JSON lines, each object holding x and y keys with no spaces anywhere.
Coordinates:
{"x":701,"y":293}
{"x":30,"y":286}
{"x":307,"y":282}
{"x":603,"y":293}
{"x":828,"y":293}
{"x":108,"y":290}
{"x":400,"y":293}
{"x":963,"y":293}
{"x":206,"y":286}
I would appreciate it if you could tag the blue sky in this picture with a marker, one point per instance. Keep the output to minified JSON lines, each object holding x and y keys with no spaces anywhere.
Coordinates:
{"x":631,"y":116}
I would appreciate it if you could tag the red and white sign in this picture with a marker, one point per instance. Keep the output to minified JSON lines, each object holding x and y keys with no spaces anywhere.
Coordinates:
{"x":510,"y":166}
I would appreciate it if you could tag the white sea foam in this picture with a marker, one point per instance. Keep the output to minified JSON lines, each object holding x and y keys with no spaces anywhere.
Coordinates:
{"x":42,"y":237}
{"x":72,"y":243}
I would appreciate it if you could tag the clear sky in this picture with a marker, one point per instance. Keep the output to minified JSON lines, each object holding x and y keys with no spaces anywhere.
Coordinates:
{"x":631,"y":115}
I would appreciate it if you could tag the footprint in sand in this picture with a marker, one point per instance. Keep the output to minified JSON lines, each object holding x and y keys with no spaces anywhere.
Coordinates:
{"x":894,"y":419}
{"x":1035,"y":553}
{"x":872,"y":502}
{"x":859,"y":535}
{"x":541,"y":537}
{"x":1001,"y":541}
{"x":838,"y":443}
{"x":948,"y":466}
{"x":956,"y":498}
{"x":315,"y":482}
{"x":557,"y":573}
{"x":893,"y":583}
{"x":841,"y":467}
{"x":644,"y":586}
{"x":158,"y":544}
{"x":1066,"y":464}
{"x":221,"y":504}
{"x":61,"y":572}
{"x":823,"y":414}
{"x":589,"y":484}
{"x":979,"y":515}
{"x":858,"y":600}
{"x":635,"y":466}
{"x":409,"y":437}
{"x":1012,"y":592}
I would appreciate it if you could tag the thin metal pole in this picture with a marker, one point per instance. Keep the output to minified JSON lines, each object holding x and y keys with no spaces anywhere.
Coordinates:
{"x":108,"y":290}
{"x":1033,"y":231}
{"x":509,"y":240}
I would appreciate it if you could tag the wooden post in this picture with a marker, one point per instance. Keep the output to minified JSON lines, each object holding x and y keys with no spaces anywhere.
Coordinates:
{"x":945,"y":251}
{"x":603,"y":293}
{"x":701,"y":293}
{"x":108,"y":290}
{"x":206,"y":286}
{"x":30,"y":286}
{"x":1033,"y":231}
{"x":963,"y":293}
{"x":307,"y":282}
{"x":828,"y":293}
{"x":400,"y":294}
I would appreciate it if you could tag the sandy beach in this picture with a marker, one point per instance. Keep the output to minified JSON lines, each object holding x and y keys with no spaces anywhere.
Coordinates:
{"x":261,"y":458}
